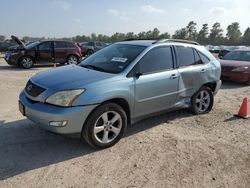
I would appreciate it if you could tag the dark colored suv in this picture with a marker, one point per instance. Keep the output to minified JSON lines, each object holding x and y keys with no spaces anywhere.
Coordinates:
{"x":89,"y":48}
{"x":43,"y":52}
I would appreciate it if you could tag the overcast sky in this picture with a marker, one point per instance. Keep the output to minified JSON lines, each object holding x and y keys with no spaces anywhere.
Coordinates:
{"x":58,"y":18}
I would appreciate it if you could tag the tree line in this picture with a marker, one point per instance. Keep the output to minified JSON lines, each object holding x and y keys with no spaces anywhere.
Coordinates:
{"x":205,"y":36}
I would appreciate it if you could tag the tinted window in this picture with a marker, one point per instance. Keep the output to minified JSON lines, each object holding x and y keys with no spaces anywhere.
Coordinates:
{"x":99,"y":44}
{"x":44,"y":46}
{"x":90,"y":44}
{"x":197,"y":59}
{"x":114,"y":58}
{"x":204,"y":58}
{"x":238,"y":56}
{"x":70,"y":45}
{"x":32,"y":45}
{"x":156,"y":60}
{"x":59,"y":44}
{"x":185,"y":56}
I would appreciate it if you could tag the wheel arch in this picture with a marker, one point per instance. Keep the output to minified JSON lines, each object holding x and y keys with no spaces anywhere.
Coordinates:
{"x":211,"y":85}
{"x":19,"y":59}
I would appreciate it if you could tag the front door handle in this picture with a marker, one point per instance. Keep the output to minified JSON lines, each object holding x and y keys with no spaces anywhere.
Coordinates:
{"x":173,"y":76}
{"x":203,"y":71}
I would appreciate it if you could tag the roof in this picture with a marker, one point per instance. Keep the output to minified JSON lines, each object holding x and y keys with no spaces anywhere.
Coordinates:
{"x":138,"y":42}
{"x":161,"y":41}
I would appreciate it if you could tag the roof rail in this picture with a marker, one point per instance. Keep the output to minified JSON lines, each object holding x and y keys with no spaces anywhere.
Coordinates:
{"x":177,"y":40}
{"x":131,"y":39}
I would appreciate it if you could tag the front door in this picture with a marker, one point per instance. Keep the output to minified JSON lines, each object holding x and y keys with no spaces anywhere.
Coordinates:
{"x":44,"y":53}
{"x":157,"y":87}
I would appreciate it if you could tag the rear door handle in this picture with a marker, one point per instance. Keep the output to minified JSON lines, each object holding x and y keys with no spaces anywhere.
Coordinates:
{"x":173,"y":76}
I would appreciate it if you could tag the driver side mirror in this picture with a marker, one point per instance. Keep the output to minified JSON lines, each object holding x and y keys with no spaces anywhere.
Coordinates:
{"x":137,"y":75}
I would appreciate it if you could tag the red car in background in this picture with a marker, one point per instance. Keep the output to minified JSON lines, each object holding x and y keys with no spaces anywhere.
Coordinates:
{"x":235,"y":66}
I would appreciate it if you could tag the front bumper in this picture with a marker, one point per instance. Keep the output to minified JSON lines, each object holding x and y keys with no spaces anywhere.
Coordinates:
{"x":11,"y":60}
{"x":42,"y":114}
{"x":235,"y":76}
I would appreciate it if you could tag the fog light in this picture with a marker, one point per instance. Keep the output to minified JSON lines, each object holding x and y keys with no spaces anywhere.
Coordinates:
{"x":58,"y":123}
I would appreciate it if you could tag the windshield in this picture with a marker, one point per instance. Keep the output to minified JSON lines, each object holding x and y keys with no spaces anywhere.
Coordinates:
{"x":113,"y":59}
{"x":238,"y":56}
{"x":31,"y":45}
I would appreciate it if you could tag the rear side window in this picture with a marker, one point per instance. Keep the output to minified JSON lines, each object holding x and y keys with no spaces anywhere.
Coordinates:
{"x":59,"y":44}
{"x":156,"y":60}
{"x":204,"y":58}
{"x":98,"y":44}
{"x":90,"y":44}
{"x":70,"y":45}
{"x":188,"y":56}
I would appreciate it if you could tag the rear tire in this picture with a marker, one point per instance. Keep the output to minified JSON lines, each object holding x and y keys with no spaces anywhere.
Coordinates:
{"x":73,"y":59}
{"x":202,"y":101}
{"x":105,"y":126}
{"x":89,"y":52}
{"x":26,"y":62}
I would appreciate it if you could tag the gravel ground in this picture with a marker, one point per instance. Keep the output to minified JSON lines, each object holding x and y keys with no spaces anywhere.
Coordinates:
{"x":175,"y":149}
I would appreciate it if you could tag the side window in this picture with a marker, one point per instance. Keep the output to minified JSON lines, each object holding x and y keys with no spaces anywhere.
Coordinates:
{"x":197,"y":59}
{"x":59,"y":44}
{"x":70,"y":45}
{"x":156,"y":60}
{"x":90,"y":44}
{"x":98,"y":44}
{"x":45,"y":46}
{"x":204,"y":58}
{"x":185,"y":56}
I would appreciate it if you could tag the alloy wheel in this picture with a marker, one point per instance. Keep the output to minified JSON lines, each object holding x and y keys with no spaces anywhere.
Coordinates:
{"x":107,"y":127}
{"x":73,"y":60}
{"x":202,"y":101}
{"x":27,"y":62}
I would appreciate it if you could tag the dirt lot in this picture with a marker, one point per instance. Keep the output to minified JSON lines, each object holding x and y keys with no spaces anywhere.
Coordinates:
{"x":176,"y":149}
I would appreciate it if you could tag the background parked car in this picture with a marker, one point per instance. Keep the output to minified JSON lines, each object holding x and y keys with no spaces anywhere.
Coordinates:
{"x":89,"y":48}
{"x":236,"y":66}
{"x":5,"y":45}
{"x":222,"y":53}
{"x":43,"y":52}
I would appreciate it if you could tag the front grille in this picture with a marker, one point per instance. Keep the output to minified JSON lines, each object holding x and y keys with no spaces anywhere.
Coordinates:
{"x":33,"y":89}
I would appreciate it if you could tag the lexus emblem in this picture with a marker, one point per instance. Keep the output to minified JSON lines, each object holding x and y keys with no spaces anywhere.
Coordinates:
{"x":29,"y":87}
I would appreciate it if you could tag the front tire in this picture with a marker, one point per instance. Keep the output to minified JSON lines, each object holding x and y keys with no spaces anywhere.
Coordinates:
{"x":105,"y":126}
{"x":202,"y":101}
{"x":26,"y":62}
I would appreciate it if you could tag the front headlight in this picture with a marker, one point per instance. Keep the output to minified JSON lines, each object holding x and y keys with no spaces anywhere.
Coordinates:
{"x":64,"y":98}
{"x":240,"y":69}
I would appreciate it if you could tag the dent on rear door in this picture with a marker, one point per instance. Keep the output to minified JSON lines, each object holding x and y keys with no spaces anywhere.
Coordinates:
{"x":192,"y":78}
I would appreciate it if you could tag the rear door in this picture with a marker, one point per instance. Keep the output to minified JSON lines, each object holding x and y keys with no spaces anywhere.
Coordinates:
{"x":193,"y":71}
{"x":44,"y":53}
{"x":61,"y":51}
{"x":156,"y":88}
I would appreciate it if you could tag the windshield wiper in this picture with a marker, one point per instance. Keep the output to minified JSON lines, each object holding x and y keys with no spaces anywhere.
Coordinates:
{"x":94,"y":67}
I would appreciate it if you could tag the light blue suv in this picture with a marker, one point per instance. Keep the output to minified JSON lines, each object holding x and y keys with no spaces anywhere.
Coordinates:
{"x":120,"y":85}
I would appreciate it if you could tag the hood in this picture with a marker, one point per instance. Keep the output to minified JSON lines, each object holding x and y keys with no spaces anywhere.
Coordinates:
{"x":233,"y":63}
{"x":18,"y":41}
{"x":68,"y":77}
